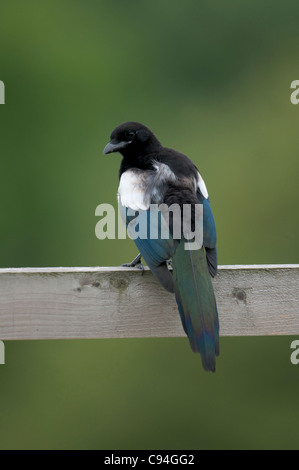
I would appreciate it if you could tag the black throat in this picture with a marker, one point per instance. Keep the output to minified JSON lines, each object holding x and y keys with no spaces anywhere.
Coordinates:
{"x":140,"y":156}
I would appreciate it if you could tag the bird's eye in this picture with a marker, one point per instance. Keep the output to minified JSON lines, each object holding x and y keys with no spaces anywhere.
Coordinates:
{"x":130,"y":135}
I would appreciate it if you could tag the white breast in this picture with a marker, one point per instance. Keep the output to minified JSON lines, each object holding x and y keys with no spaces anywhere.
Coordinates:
{"x":138,"y":188}
{"x":131,"y":191}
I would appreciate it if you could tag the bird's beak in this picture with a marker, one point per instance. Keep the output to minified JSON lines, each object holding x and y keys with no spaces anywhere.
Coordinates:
{"x":114,"y":147}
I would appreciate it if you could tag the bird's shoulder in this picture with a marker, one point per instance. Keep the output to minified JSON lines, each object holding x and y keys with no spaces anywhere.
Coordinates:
{"x":183,"y":168}
{"x":180,"y":164}
{"x":147,"y":180}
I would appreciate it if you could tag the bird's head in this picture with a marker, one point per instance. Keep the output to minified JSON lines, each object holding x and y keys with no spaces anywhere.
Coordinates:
{"x":131,"y":138}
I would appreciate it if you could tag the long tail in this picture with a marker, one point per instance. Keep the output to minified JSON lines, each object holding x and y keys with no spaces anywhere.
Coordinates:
{"x":196,"y":302}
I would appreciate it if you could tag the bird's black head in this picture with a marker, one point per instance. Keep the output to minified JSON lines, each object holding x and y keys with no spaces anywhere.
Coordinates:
{"x":131,"y":138}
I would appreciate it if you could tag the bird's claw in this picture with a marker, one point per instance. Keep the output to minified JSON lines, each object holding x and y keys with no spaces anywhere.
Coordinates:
{"x":136,"y":263}
{"x":169,"y":263}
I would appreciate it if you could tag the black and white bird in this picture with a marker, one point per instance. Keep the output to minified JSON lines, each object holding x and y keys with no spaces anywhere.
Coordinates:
{"x":151,"y":174}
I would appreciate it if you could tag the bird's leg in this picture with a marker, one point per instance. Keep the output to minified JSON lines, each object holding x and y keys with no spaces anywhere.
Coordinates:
{"x":136,"y":263}
{"x":133,"y":263}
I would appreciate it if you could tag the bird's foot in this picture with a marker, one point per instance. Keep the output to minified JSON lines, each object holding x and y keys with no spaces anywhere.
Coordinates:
{"x":169,"y":263}
{"x":136,"y":263}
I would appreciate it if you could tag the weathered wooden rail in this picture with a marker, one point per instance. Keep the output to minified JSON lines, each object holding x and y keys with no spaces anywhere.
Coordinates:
{"x":94,"y":302}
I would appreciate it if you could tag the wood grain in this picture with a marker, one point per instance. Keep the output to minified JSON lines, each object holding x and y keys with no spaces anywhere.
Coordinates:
{"x":94,"y":302}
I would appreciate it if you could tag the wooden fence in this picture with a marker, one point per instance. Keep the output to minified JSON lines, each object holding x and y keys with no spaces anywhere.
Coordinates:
{"x":94,"y":302}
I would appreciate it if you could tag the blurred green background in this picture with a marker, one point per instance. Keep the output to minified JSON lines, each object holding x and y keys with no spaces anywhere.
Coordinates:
{"x":212,"y":79}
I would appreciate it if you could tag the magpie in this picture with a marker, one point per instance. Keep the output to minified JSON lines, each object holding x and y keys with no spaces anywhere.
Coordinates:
{"x":154,"y":176}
